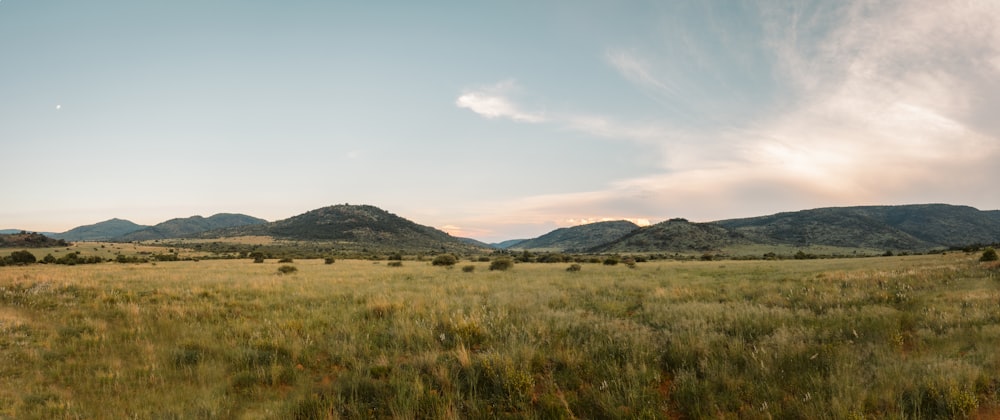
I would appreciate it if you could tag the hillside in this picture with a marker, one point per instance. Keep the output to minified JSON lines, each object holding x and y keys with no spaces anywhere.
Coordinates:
{"x":188,"y":226}
{"x":578,"y":238}
{"x":103,"y":231}
{"x":24,"y":239}
{"x":909,"y":227}
{"x":355,"y":227}
{"x":675,"y":235}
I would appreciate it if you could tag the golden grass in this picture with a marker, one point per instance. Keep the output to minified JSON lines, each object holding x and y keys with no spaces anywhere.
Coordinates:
{"x":876,"y":337}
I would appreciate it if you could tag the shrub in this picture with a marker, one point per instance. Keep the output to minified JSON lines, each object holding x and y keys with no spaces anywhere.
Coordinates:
{"x":573,"y":268}
{"x":989,"y":254}
{"x":446,"y":260}
{"x":328,"y":260}
{"x":286,"y":260}
{"x":612,"y":260}
{"x":395,"y":264}
{"x":468,"y":269}
{"x":501,"y":264}
{"x":287,"y":269}
{"x":22,"y":257}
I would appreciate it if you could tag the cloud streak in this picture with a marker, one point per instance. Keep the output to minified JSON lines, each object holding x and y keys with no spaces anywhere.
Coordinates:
{"x":493,"y":102}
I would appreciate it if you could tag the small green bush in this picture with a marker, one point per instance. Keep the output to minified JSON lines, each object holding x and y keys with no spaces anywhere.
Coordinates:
{"x":286,"y":260}
{"x":328,"y":260}
{"x":573,"y":268}
{"x":468,"y":269}
{"x":395,"y":264}
{"x":446,"y":260}
{"x":287,"y":269}
{"x":501,"y":264}
{"x":989,"y":254}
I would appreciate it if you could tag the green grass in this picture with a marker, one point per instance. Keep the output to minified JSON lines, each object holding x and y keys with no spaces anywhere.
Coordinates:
{"x":899,"y":337}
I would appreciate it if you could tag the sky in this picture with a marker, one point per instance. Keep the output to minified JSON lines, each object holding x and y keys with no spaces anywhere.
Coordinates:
{"x":493,"y":120}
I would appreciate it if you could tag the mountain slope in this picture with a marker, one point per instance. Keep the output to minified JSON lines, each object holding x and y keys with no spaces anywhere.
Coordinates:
{"x":355,"y":227}
{"x":909,"y":227}
{"x":675,"y":235}
{"x":578,"y":238}
{"x":102,"y":231}
{"x":188,"y":226}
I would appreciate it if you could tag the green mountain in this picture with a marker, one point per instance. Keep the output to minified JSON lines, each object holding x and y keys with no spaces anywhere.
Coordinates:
{"x":355,"y":227}
{"x":675,"y":235}
{"x":103,"y":231}
{"x":188,"y":226}
{"x":578,"y":238}
{"x":909,"y":227}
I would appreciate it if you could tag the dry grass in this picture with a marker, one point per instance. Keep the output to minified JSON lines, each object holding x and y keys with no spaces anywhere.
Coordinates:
{"x":877,"y":338}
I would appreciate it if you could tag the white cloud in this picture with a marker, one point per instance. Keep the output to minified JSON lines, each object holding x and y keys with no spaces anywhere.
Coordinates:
{"x":884,"y":104}
{"x":492,"y":102}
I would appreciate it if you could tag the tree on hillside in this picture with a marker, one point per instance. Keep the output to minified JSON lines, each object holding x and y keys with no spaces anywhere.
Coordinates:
{"x":989,"y":254}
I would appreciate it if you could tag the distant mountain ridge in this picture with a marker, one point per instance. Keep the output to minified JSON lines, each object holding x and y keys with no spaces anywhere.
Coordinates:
{"x":188,"y":226}
{"x":906,"y":227}
{"x":917,"y":227}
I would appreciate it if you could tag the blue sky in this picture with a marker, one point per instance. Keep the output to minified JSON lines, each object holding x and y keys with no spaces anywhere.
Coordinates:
{"x":493,"y":120}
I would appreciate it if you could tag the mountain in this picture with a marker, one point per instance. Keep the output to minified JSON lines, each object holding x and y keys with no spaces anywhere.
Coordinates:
{"x":23,"y":239}
{"x":103,"y":231}
{"x":507,"y":244}
{"x":354,"y":227}
{"x":578,"y":238}
{"x":675,"y":235}
{"x":475,"y":242}
{"x":908,"y":227}
{"x":188,"y":226}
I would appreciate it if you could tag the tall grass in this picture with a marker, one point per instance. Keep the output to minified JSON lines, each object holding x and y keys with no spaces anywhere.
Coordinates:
{"x":901,"y":337}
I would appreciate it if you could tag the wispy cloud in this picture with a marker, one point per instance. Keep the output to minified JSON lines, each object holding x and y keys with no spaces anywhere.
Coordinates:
{"x":885,"y":105}
{"x":493,"y":102}
{"x":638,"y":71}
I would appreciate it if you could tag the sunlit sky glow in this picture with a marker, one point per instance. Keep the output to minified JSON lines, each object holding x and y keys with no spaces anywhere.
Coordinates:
{"x":494,"y":120}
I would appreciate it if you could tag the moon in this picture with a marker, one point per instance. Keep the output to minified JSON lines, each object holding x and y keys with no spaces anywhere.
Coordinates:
{"x":58,"y":107}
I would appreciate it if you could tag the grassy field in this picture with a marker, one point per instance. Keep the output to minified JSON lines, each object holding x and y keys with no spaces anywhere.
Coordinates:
{"x":894,"y":337}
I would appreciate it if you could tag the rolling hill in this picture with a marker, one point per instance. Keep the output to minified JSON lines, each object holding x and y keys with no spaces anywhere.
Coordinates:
{"x":188,"y":226}
{"x":908,"y":227}
{"x":578,"y":238}
{"x":355,"y":227}
{"x":675,"y":235}
{"x":102,"y":231}
{"x":919,"y":227}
